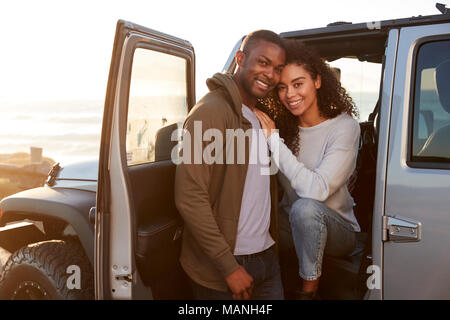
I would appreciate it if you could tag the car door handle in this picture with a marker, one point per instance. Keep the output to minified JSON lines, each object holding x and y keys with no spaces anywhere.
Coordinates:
{"x":401,"y":229}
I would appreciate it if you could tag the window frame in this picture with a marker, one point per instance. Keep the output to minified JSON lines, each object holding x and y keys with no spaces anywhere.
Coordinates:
{"x":409,"y":156}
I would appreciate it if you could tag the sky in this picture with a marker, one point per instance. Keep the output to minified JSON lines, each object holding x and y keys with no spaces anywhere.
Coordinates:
{"x":61,"y":50}
{"x":55,"y":55}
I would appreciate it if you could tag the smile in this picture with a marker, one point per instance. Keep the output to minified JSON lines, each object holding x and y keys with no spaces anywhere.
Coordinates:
{"x":262,"y":84}
{"x":294,"y":103}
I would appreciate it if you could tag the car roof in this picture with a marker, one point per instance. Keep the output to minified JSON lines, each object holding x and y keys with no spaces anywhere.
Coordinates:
{"x":342,"y":27}
{"x":365,"y":41}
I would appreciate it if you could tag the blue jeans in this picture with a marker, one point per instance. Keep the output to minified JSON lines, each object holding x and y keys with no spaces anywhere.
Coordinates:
{"x":265,"y":270}
{"x":315,"y":229}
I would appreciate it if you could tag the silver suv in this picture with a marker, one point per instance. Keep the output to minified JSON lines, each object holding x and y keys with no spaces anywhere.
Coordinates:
{"x":122,"y":231}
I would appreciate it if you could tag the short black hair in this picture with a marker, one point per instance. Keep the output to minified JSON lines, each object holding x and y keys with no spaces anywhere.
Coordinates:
{"x":252,"y":38}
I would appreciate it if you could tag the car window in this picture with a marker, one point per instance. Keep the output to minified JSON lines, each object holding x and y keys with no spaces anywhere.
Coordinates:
{"x":362,"y":82}
{"x":157,"y":105}
{"x":430,"y":141}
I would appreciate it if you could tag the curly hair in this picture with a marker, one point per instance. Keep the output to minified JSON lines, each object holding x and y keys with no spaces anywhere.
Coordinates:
{"x":332,"y":98}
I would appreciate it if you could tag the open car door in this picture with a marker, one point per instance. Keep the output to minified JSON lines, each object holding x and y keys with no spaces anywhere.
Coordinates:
{"x":151,"y":87}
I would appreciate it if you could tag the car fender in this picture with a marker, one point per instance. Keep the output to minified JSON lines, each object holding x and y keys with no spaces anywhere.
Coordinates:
{"x":67,"y":204}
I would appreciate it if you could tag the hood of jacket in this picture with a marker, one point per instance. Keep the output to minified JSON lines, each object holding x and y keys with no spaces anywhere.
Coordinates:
{"x":225,"y":81}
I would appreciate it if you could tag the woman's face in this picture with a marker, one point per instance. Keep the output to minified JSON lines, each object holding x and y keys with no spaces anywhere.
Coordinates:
{"x":297,"y":90}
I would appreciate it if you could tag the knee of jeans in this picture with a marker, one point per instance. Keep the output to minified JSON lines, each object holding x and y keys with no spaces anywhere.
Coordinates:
{"x":305,"y":211}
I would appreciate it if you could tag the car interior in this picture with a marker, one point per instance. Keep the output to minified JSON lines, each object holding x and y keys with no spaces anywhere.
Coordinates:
{"x":438,"y":143}
{"x":345,"y":277}
{"x":158,"y":240}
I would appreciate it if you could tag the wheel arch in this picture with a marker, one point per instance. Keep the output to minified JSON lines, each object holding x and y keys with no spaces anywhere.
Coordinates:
{"x":45,"y":205}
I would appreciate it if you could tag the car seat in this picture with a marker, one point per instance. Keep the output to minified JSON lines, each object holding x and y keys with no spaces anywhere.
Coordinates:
{"x":438,"y":143}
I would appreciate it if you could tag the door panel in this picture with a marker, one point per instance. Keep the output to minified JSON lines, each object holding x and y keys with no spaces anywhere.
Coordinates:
{"x":419,"y":269}
{"x":159,"y":228}
{"x":150,"y":89}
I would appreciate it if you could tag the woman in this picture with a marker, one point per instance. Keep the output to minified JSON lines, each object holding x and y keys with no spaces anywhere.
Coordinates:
{"x":315,"y":150}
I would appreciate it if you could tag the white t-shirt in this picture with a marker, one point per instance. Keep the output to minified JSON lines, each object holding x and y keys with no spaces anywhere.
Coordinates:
{"x":254,"y":221}
{"x":326,"y":160}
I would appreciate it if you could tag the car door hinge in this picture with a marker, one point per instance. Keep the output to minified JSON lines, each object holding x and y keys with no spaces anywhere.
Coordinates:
{"x":401,"y":229}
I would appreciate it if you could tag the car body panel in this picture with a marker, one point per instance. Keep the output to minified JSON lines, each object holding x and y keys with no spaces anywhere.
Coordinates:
{"x":70,"y":205}
{"x":415,"y":270}
{"x":82,"y":175}
{"x":383,"y":142}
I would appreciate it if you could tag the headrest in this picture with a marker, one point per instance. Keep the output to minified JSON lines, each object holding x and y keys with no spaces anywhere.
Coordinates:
{"x":443,"y":84}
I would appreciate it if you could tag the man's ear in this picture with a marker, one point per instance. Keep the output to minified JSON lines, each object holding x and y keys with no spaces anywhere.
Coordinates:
{"x":318,"y":82}
{"x":240,"y":57}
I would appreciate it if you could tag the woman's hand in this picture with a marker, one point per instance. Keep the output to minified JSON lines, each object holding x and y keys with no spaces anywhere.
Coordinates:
{"x":267,"y":124}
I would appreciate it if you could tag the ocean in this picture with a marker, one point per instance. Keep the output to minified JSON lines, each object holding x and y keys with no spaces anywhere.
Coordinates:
{"x":69,"y":131}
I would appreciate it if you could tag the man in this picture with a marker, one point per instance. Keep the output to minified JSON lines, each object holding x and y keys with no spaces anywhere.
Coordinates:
{"x":228,"y":208}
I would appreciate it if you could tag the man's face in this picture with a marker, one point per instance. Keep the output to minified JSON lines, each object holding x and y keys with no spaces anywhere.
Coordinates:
{"x":260,"y":68}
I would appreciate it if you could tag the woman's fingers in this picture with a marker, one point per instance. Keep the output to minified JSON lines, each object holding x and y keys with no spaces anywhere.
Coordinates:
{"x":267,"y":124}
{"x":266,"y":117}
{"x":261,"y":118}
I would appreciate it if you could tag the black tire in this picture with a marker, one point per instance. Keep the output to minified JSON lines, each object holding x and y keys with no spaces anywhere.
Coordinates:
{"x":40,"y":271}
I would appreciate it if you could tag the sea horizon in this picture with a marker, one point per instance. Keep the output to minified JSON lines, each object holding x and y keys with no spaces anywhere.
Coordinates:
{"x":69,"y":131}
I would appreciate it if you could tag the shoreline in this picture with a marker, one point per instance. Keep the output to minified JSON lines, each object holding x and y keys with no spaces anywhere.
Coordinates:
{"x":18,"y":173}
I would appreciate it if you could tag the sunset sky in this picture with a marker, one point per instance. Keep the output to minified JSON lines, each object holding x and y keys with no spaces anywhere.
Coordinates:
{"x":55,"y":55}
{"x":59,"y":50}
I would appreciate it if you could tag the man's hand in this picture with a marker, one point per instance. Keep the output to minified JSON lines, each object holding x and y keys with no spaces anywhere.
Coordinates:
{"x":240,"y":284}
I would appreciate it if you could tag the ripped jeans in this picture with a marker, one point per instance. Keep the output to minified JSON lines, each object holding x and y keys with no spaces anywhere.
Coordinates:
{"x":315,"y":229}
